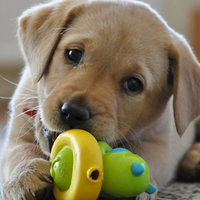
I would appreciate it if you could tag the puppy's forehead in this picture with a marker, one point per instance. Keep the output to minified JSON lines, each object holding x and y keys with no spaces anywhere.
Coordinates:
{"x":110,"y":22}
{"x":118,"y":31}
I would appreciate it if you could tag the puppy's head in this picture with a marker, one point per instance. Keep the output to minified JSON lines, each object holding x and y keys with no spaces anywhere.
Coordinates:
{"x":106,"y":67}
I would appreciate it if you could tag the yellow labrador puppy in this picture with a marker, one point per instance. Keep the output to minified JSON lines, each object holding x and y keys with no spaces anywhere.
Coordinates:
{"x":113,"y":68}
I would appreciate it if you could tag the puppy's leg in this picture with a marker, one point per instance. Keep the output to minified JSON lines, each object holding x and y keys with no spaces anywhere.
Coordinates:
{"x":189,"y":168}
{"x":24,"y":170}
{"x":27,"y":174}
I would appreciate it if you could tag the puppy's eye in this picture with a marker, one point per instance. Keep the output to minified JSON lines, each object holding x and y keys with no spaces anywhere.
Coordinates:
{"x":133,"y":85}
{"x":74,"y":55}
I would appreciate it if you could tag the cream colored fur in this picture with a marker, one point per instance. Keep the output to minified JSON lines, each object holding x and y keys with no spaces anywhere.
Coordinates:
{"x":120,"y":39}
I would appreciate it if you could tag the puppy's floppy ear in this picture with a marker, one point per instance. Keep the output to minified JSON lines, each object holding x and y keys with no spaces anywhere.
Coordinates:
{"x":186,"y":90}
{"x":40,"y":30}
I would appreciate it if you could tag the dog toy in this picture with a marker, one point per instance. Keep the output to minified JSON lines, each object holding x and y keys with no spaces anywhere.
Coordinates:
{"x":83,"y":168}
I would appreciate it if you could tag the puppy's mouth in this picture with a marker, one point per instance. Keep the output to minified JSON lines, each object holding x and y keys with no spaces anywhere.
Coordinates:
{"x":49,"y":136}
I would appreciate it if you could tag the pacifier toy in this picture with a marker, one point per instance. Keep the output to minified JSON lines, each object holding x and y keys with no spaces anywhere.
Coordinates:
{"x":84,"y":169}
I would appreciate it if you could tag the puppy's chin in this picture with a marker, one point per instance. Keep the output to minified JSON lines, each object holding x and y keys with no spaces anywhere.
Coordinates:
{"x":49,"y":138}
{"x":45,"y":138}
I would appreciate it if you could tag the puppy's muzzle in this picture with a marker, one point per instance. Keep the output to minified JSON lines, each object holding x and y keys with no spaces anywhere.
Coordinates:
{"x":75,"y":115}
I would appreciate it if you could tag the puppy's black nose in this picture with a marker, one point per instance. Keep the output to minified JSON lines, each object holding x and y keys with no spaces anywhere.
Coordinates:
{"x":74,"y":115}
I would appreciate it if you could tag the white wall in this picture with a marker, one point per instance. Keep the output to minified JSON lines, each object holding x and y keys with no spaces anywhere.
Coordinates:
{"x":178,"y":14}
{"x":9,"y":12}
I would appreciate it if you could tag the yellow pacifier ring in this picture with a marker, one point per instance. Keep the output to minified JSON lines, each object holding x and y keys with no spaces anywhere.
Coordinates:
{"x":87,"y":170}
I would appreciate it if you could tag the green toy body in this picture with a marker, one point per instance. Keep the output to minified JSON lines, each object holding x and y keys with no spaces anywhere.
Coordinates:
{"x":125,"y":174}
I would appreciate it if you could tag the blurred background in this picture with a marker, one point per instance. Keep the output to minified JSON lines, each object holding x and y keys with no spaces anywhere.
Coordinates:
{"x":181,"y":15}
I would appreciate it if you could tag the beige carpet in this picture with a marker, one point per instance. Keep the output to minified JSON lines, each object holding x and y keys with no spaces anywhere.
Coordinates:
{"x":179,"y":191}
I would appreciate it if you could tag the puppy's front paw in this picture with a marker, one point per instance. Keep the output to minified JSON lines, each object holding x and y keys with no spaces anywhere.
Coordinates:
{"x":189,"y":167}
{"x":29,"y":181}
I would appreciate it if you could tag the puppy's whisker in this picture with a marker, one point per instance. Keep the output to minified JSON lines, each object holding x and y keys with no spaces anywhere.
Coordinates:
{"x":32,"y":127}
{"x":4,"y":128}
{"x":7,"y":98}
{"x":22,"y":97}
{"x":126,"y":140}
{"x":121,"y":142}
{"x":22,"y":113}
{"x":8,"y":113}
{"x":27,"y":96}
{"x":116,"y":142}
{"x":136,"y":122}
{"x":5,"y":79}
{"x":131,"y":131}
{"x":105,"y":138}
{"x":50,"y":92}
{"x":24,"y":103}
{"x":120,"y":139}
{"x":28,"y":121}
{"x":26,"y":99}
